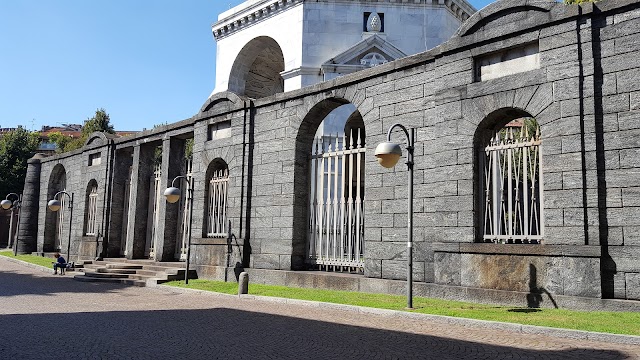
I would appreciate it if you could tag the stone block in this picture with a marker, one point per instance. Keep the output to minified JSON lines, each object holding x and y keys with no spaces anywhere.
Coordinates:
{"x":632,"y":284}
{"x":397,"y":270}
{"x":447,"y":268}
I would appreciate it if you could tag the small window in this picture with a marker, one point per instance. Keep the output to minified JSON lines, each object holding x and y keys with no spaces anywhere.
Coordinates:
{"x":220,"y":130}
{"x":507,"y":62}
{"x":95,"y":159}
{"x":216,"y":215}
{"x":92,"y":207}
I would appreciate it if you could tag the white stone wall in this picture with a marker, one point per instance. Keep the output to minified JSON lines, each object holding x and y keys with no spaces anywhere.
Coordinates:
{"x":331,"y":28}
{"x":311,"y":33}
{"x":285,"y":28}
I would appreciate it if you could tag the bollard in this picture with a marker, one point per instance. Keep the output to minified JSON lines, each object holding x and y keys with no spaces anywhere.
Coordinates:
{"x":243,"y":283}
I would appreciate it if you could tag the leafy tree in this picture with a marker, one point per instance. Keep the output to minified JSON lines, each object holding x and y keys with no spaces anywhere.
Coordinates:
{"x":16,"y":147}
{"x":99,"y":122}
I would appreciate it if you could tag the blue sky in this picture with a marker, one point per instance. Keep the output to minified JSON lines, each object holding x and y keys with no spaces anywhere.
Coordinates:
{"x":146,"y":62}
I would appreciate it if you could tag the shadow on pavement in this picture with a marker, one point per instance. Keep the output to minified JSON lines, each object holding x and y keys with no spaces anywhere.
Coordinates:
{"x":20,"y":283}
{"x":234,"y":334}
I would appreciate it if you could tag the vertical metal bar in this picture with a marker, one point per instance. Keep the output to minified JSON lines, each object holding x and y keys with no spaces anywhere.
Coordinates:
{"x":525,"y":192}
{"x":510,"y":218}
{"x":328,"y":204}
{"x":350,"y":200}
{"x":314,"y":201}
{"x":358,"y":238}
{"x":342,"y":195}
{"x":410,"y":223}
{"x":496,"y":195}
{"x":541,"y":184}
{"x":336,"y":174}
{"x":322,"y":196}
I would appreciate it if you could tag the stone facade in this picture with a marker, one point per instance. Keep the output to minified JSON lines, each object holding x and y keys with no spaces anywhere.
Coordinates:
{"x":582,"y":89}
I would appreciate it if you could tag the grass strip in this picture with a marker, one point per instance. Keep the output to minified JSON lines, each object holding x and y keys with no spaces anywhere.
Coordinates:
{"x":599,"y":321}
{"x":33,"y":259}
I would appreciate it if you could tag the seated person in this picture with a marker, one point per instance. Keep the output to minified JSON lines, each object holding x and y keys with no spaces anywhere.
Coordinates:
{"x":60,"y":263}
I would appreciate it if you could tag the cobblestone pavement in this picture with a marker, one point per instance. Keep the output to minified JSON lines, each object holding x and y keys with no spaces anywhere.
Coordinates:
{"x":43,"y":316}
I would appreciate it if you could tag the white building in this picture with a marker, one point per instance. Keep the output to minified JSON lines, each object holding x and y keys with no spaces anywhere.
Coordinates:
{"x":270,"y":46}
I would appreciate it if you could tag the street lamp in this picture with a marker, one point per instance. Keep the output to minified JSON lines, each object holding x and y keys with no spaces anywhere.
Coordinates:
{"x":55,"y":205}
{"x":13,"y":205}
{"x":388,"y":153}
{"x":173,"y":195}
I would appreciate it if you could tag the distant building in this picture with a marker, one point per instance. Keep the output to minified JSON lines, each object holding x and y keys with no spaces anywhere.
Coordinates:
{"x":72,"y":130}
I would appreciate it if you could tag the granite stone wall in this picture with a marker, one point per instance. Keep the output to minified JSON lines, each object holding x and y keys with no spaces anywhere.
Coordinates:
{"x":582,"y":89}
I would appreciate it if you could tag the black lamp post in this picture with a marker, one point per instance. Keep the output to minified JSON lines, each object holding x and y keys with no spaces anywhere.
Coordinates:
{"x":55,"y":205}
{"x":14,"y":206}
{"x":388,"y":154}
{"x":173,"y":195}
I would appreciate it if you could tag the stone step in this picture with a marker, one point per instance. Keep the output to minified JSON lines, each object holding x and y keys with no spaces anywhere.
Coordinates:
{"x":126,"y":281}
{"x":105,"y":275}
{"x":123,"y":266}
{"x":116,"y":271}
{"x":134,"y":272}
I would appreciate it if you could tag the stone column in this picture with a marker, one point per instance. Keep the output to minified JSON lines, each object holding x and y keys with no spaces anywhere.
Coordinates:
{"x":121,"y":165}
{"x":139,"y":206}
{"x":28,"y":231}
{"x":172,"y":166}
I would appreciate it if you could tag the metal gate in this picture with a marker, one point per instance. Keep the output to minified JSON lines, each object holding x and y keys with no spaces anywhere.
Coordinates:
{"x":185,"y":206}
{"x":511,"y":181}
{"x":155,"y":197}
{"x":217,"y":211}
{"x":336,"y":222}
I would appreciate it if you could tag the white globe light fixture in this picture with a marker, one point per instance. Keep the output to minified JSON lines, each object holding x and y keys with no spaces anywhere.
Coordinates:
{"x":6,"y":204}
{"x":388,"y":154}
{"x":172,"y":194}
{"x":54,"y":205}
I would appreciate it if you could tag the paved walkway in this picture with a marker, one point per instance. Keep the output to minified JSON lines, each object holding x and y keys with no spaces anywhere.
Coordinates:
{"x":43,"y":316}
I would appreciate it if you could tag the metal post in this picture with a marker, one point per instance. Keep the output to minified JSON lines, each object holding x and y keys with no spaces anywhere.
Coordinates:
{"x":10,"y":239}
{"x":70,"y":220}
{"x":15,"y":239}
{"x":410,"y":149}
{"x":190,"y":200}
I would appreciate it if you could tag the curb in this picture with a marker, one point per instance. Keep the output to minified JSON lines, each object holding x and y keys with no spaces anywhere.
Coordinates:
{"x":484,"y":324}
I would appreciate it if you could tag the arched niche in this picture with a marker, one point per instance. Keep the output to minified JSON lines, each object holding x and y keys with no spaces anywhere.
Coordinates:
{"x":256,"y":70}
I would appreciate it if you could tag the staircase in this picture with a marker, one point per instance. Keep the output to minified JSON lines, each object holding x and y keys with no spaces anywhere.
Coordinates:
{"x":131,"y":272}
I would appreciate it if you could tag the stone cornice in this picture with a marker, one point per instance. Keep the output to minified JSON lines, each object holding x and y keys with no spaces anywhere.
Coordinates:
{"x":267,"y":8}
{"x":251,"y":15}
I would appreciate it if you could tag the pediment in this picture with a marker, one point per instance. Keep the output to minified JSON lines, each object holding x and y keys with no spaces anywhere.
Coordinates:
{"x":369,"y":52}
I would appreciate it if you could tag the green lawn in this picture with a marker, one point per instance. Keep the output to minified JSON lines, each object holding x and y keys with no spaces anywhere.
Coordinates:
{"x":33,"y":259}
{"x":600,"y":321}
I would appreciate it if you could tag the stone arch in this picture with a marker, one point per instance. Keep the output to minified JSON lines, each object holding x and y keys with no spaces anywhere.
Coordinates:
{"x":221,"y":102}
{"x":57,"y":182}
{"x":90,"y":208}
{"x":302,"y":176}
{"x":218,"y":169}
{"x":505,"y":126}
{"x":256,"y":70}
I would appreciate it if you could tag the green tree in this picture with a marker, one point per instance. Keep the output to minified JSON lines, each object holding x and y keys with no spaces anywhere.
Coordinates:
{"x":16,"y":147}
{"x":99,"y":122}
